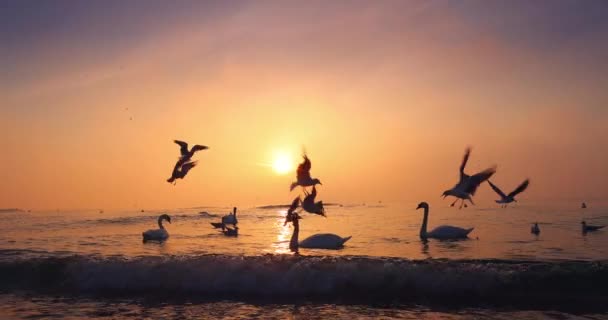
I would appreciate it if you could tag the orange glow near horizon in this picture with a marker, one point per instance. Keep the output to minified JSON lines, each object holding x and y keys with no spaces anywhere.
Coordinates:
{"x":384,"y":96}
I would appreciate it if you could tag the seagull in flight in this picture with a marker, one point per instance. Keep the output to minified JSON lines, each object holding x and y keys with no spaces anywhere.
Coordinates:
{"x":181,"y":170}
{"x":508,"y":198}
{"x":309,"y":205}
{"x":467,"y":185}
{"x":185,"y":154}
{"x":303,"y":175}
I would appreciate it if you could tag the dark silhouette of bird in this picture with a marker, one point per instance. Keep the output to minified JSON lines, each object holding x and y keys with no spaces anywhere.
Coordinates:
{"x":589,"y":228}
{"x":309,"y":205}
{"x":186,"y":154}
{"x":181,"y":170}
{"x":467,"y":185}
{"x":303,"y":175}
{"x":508,"y":198}
{"x":184,"y":163}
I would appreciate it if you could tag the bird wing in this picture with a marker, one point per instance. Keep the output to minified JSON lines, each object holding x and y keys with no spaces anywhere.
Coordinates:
{"x":465,"y":159}
{"x":183,"y":147}
{"x":523,"y":186}
{"x":294,"y":204}
{"x":497,"y":190}
{"x":187,"y":166}
{"x":475,"y":180}
{"x":199,"y":147}
{"x":304,"y":168}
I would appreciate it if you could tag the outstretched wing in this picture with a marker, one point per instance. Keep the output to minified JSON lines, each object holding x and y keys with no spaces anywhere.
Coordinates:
{"x":310,"y":197}
{"x":497,"y":190}
{"x":304,"y":168}
{"x":187,"y":166}
{"x":199,"y":147}
{"x":291,"y":215}
{"x":465,"y":159}
{"x":294,"y":205}
{"x":477,"y":179}
{"x":523,"y":186}
{"x":183,"y":147}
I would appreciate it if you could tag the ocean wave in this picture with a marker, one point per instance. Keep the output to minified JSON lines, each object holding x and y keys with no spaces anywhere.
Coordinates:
{"x":286,"y":276}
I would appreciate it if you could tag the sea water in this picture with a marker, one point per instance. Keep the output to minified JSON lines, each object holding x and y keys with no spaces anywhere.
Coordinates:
{"x":92,"y":263}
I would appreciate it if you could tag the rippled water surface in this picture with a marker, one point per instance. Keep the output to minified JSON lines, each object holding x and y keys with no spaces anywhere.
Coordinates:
{"x":385,"y":230}
{"x":93,"y":264}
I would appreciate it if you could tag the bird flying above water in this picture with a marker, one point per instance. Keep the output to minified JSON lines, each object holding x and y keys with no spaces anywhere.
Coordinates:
{"x":309,"y":205}
{"x":303,"y":175}
{"x":467,"y":185}
{"x":508,"y":198}
{"x":181,"y":170}
{"x":186,"y":154}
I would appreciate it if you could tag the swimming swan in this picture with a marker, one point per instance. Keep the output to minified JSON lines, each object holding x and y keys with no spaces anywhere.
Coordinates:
{"x":230,"y":218}
{"x":317,"y":241}
{"x":158,"y":234}
{"x":441,"y":232}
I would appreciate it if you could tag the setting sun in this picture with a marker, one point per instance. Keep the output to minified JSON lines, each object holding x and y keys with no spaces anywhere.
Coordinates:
{"x":282,"y":164}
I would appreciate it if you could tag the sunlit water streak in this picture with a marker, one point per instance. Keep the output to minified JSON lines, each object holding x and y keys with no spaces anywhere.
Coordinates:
{"x":379,"y":231}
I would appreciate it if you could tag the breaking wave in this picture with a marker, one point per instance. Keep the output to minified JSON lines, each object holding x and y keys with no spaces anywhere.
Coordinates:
{"x":287,"y":277}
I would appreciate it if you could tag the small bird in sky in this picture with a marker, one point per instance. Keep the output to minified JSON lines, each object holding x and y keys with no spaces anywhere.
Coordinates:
{"x":508,"y":198}
{"x":467,"y":185}
{"x":303,"y":175}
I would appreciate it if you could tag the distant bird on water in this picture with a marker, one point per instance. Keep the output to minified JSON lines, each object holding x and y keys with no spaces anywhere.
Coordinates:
{"x":181,"y":170}
{"x":506,"y":199}
{"x":303,"y":175}
{"x":589,"y":228}
{"x":535,"y":229}
{"x":309,"y":205}
{"x":583,"y":205}
{"x":467,"y":185}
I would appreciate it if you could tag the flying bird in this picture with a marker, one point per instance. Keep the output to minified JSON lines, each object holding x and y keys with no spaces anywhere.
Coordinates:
{"x":183,"y":164}
{"x":291,"y":212}
{"x":309,"y":205}
{"x":467,"y":185}
{"x":506,"y":199}
{"x":186,"y":154}
{"x":181,"y":170}
{"x":303,"y":175}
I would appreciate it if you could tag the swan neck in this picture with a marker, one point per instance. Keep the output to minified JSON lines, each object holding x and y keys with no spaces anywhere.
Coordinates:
{"x":160,"y":223}
{"x":424,"y":222}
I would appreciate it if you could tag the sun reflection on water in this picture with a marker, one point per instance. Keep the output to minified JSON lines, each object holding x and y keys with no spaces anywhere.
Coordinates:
{"x":281,"y":246}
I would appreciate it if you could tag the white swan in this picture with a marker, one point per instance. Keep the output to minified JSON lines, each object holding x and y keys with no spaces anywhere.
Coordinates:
{"x":159,"y":234}
{"x":317,"y":241}
{"x":441,"y":232}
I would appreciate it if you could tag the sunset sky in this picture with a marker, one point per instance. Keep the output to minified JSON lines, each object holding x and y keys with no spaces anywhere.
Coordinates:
{"x":384,"y":96}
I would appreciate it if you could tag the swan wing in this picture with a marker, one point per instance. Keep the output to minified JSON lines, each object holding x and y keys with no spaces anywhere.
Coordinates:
{"x":449,"y":232}
{"x":324,"y":241}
